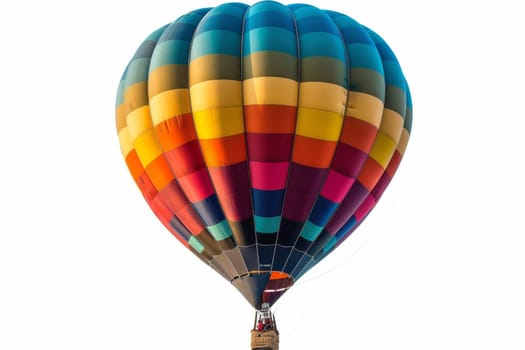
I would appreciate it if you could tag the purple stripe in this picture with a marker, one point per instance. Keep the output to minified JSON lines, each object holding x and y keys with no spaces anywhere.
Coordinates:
{"x":352,"y":201}
{"x":348,"y":160}
{"x":269,"y":147}
{"x":304,"y":185}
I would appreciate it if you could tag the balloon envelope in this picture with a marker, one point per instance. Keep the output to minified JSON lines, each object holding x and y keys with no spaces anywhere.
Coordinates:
{"x":262,"y":136}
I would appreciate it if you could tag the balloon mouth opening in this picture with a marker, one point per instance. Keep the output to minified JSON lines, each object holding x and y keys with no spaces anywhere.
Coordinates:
{"x":262,"y":286}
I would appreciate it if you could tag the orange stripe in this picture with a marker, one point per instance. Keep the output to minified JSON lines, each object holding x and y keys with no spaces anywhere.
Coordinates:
{"x":160,"y":172}
{"x":224,"y":151}
{"x":270,"y":119}
{"x":134,"y":165}
{"x":358,"y":134}
{"x":370,"y":174}
{"x":313,"y":152}
{"x":278,"y":275}
{"x":176,"y":131}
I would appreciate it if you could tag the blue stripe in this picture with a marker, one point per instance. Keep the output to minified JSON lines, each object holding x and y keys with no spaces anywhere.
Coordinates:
{"x":349,"y":225}
{"x":209,"y":210}
{"x":234,"y":9}
{"x":322,"y":211}
{"x":394,"y":75}
{"x":194,"y":17}
{"x":267,"y":203}
{"x":178,"y":31}
{"x":270,"y":39}
{"x":301,"y":11}
{"x":317,"y":23}
{"x":267,"y":6}
{"x":180,"y":228}
{"x":157,"y":34}
{"x":352,"y":31}
{"x":145,"y":49}
{"x":364,"y":56}
{"x":216,"y":42}
{"x":269,"y":19}
{"x":220,"y":22}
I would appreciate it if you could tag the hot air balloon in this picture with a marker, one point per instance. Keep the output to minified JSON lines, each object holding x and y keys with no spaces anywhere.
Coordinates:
{"x":262,"y":135}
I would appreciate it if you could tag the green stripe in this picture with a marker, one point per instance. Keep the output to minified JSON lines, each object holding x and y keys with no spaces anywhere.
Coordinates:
{"x":325,"y":69}
{"x":216,"y":67}
{"x":196,"y":244}
{"x":367,"y":81}
{"x":396,"y":99}
{"x":270,"y":64}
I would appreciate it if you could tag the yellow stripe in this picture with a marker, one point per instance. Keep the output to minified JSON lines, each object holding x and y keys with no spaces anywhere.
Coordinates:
{"x":403,"y":142}
{"x":139,"y":121}
{"x":169,"y":104}
{"x":365,"y":107}
{"x":391,"y":124}
{"x":147,"y":147}
{"x":214,"y":94}
{"x":220,"y":122}
{"x":322,"y":96}
{"x":383,"y":149}
{"x":318,"y":124}
{"x":126,"y":145}
{"x":270,"y":91}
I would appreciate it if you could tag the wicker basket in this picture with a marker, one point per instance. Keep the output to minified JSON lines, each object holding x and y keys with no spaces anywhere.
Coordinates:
{"x":265,"y":340}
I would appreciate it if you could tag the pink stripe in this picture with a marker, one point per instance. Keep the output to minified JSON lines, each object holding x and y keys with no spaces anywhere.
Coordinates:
{"x":336,"y":186}
{"x":365,"y":207}
{"x":268,"y":176}
{"x":196,"y":185}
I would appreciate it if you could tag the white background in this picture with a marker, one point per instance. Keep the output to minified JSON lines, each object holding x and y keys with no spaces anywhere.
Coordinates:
{"x":84,"y":264}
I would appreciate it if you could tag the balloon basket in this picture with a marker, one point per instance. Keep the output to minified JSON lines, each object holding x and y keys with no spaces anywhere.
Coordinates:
{"x":265,"y":335}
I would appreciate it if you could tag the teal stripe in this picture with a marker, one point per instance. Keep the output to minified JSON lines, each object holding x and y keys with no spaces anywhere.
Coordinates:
{"x":329,"y":245}
{"x":267,"y":6}
{"x":310,"y":231}
{"x":364,"y":56}
{"x":267,"y":224}
{"x":196,"y":244}
{"x":216,"y":42}
{"x":270,"y":39}
{"x":170,"y":52}
{"x":137,"y":71}
{"x":322,"y":44}
{"x":220,"y":231}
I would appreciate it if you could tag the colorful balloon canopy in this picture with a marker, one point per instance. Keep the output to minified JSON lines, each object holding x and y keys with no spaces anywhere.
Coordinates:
{"x":262,"y":136}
